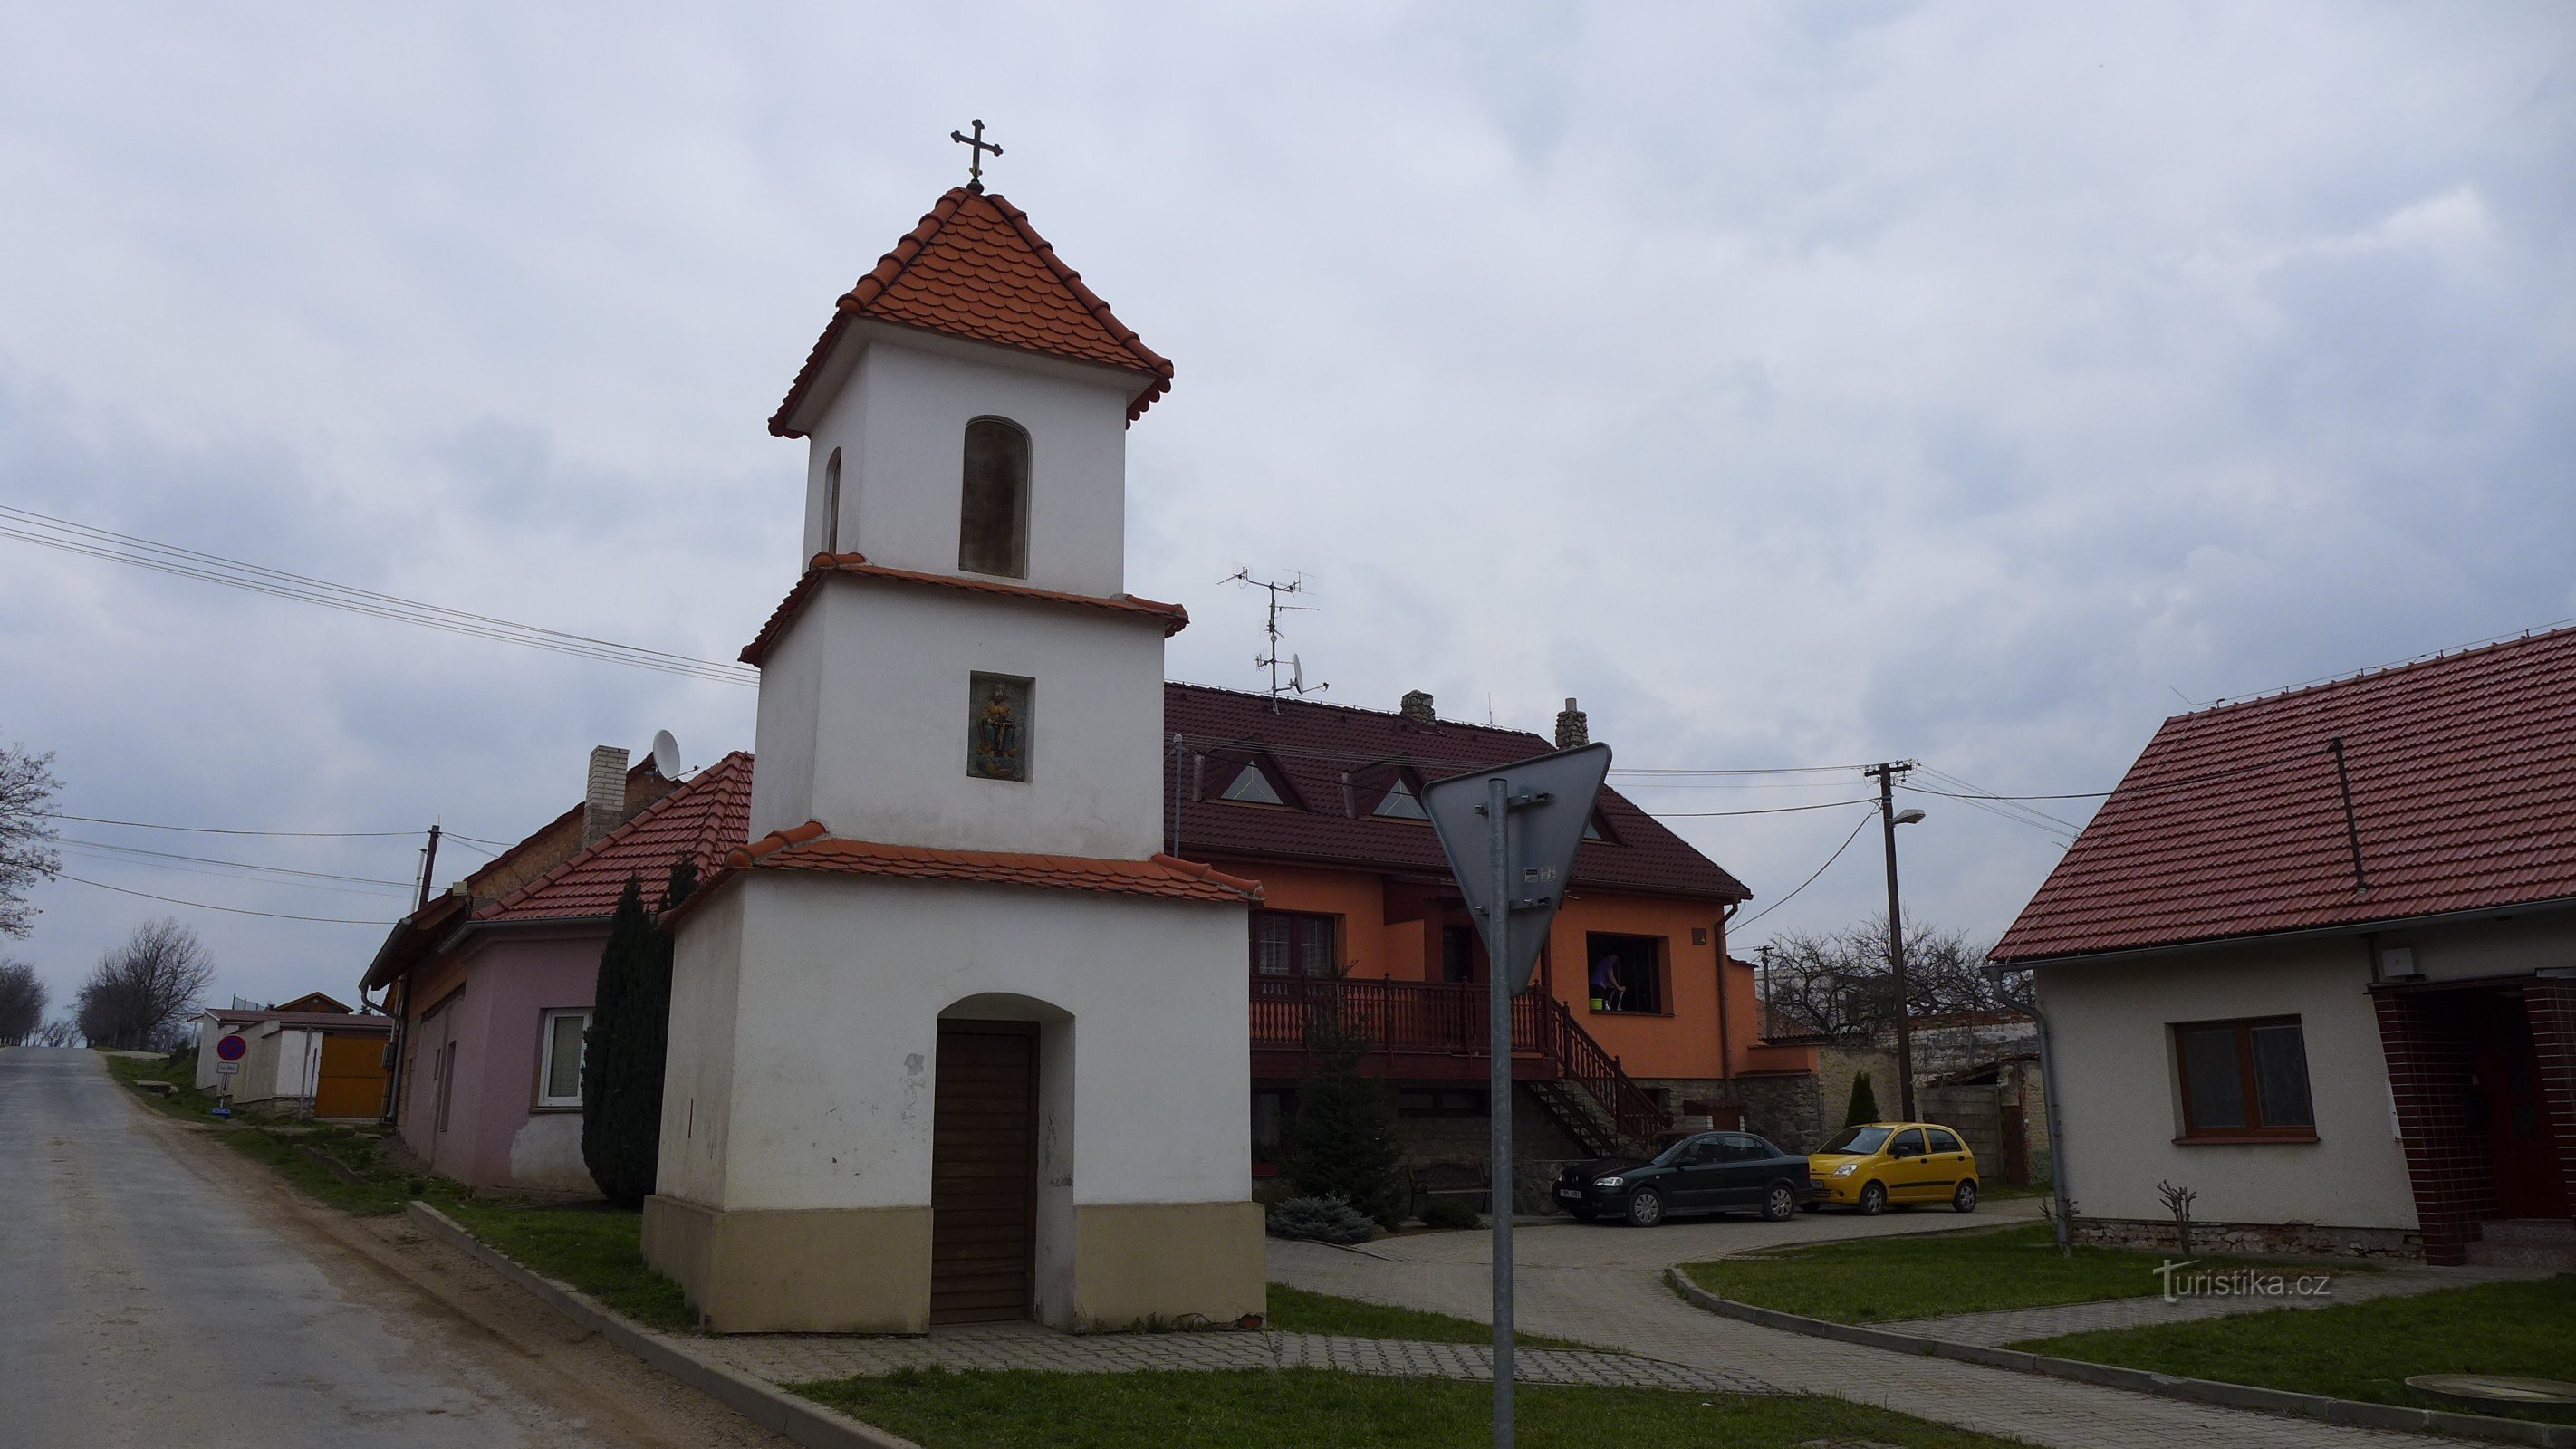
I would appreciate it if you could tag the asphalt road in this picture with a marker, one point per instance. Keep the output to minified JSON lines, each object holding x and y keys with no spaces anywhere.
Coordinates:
{"x":149,"y":1297}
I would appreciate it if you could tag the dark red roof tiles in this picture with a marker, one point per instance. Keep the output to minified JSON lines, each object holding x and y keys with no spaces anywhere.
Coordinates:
{"x":2232,"y":822}
{"x":1309,"y":747}
{"x":975,"y":268}
{"x":807,"y":847}
{"x":704,"y":819}
{"x":328,"y":1020}
{"x":1173,"y":617}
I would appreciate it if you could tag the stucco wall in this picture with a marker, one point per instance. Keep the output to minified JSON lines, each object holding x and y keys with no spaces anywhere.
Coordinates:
{"x":838,"y":984}
{"x":884,"y":722}
{"x":2119,"y":1098}
{"x":900,"y":423}
{"x":496,"y":1134}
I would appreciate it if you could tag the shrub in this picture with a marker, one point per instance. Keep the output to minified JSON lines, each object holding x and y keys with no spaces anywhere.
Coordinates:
{"x":1450,"y":1210}
{"x":1864,"y":1103}
{"x":1344,"y":1142}
{"x":1320,"y":1220}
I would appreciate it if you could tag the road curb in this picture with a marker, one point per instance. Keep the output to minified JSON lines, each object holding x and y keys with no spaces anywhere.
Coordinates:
{"x":808,"y":1423}
{"x":2206,"y":1391}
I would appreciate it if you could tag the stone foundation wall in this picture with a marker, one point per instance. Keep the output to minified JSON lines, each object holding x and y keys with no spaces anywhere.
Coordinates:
{"x":1788,"y":1110}
{"x":2252,"y":1239}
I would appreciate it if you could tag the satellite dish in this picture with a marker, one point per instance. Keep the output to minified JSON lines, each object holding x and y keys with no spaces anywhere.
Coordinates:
{"x":666,"y":755}
{"x":1296,"y":674}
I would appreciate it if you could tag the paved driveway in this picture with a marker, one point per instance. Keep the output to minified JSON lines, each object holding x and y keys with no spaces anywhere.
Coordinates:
{"x":1604,"y":1286}
{"x":143,"y":1301}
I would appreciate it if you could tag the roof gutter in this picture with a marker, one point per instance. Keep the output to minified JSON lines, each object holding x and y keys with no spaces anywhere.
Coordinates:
{"x":2266,"y":938}
{"x":471,"y":929}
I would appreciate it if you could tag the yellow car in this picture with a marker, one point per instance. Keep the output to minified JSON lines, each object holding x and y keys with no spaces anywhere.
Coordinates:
{"x":1878,"y":1163}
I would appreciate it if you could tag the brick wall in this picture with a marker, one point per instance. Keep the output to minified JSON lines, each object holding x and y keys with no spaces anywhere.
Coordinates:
{"x":2552,"y":1003}
{"x":2427,"y":1043}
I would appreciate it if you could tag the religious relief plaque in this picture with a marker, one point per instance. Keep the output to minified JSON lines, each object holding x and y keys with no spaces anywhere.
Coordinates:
{"x":997,"y":726}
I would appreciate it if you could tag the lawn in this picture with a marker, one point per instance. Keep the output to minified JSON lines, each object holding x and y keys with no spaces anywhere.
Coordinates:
{"x":1878,"y":1280}
{"x":1294,"y":1310}
{"x":2361,"y":1350}
{"x":1313,"y":1409}
{"x":342,"y":1167}
{"x":596,"y":1248}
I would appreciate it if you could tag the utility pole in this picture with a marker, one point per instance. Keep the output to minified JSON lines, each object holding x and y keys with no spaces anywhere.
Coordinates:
{"x":1888,"y":819}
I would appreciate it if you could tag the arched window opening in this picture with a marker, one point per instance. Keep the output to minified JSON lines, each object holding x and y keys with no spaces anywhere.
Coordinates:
{"x":832,"y":503}
{"x":993,"y":533}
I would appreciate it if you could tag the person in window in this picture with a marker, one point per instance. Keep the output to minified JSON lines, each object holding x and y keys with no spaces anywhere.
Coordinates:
{"x":1605,"y":983}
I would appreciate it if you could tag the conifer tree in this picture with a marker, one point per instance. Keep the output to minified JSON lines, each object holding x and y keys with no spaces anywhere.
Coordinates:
{"x":1344,"y":1144}
{"x":1864,"y":1103}
{"x":630,"y":1022}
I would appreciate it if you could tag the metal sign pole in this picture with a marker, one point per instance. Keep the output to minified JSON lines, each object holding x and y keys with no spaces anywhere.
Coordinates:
{"x":1498,"y":997}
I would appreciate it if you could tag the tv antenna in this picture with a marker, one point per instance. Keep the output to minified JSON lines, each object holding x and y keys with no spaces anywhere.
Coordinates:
{"x":1296,"y":683}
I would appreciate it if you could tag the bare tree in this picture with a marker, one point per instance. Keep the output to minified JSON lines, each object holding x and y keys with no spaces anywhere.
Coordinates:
{"x":27,"y":853}
{"x":138,"y":992}
{"x":59,"y":1032}
{"x":22,"y":1001}
{"x":1839,"y":979}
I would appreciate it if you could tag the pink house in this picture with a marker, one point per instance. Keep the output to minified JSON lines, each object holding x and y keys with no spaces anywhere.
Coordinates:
{"x":492,"y":981}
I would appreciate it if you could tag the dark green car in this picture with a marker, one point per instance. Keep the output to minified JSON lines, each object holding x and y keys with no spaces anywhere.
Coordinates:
{"x":1707,"y":1172}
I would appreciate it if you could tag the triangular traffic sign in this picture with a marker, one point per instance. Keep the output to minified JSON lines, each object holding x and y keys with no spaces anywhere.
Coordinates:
{"x":1548,"y":801}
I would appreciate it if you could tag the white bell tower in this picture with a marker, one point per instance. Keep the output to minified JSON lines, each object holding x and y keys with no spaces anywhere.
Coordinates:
{"x":949,"y":1039}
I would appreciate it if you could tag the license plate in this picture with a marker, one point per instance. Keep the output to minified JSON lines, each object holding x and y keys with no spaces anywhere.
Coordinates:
{"x":1574,"y":1192}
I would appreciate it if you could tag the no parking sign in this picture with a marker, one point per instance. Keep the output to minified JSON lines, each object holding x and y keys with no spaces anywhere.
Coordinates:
{"x":229,"y":1050}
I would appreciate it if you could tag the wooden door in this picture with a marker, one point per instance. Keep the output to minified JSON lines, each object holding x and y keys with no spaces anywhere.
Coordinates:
{"x":2517,"y":1118}
{"x":983,"y":1171}
{"x":352,"y":1079}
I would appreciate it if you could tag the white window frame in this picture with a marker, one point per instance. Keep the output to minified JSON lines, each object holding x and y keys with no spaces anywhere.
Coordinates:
{"x":546,"y":1054}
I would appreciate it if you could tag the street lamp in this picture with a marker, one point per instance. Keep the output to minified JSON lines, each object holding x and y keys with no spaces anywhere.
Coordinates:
{"x":1889,"y":818}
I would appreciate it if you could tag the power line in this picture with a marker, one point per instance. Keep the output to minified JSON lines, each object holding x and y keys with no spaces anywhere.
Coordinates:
{"x":228,"y":910}
{"x":80,"y":538}
{"x":1773,"y":810}
{"x":238,"y":864}
{"x":1811,"y":880}
{"x":212,"y":830}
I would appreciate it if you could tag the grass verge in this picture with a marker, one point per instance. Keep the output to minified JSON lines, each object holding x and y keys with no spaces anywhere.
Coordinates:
{"x":341,"y":1167}
{"x":1294,"y":1310}
{"x":596,"y":1248}
{"x":2361,"y":1351}
{"x":1877,"y":1280}
{"x":1314,"y":1409}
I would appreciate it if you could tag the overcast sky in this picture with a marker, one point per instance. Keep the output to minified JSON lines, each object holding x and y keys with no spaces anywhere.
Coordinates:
{"x":1804,"y":384}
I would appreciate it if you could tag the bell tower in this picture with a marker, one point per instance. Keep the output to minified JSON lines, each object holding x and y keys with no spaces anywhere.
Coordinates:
{"x":965,"y":415}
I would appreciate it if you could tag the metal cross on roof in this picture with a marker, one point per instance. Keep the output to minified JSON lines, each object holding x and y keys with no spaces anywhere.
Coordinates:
{"x":975,"y":166}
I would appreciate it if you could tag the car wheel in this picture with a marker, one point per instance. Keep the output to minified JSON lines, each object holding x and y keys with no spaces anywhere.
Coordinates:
{"x":1873,"y":1200}
{"x":1779,"y":1204}
{"x":1645,"y":1208}
{"x":1965,"y":1199}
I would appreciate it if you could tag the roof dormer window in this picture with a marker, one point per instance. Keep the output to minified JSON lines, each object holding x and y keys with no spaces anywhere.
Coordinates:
{"x":993,"y":523}
{"x":1251,"y":786}
{"x":1399,"y":802}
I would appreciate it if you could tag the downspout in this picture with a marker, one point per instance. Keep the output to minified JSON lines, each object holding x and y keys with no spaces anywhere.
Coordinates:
{"x":1725,"y":1035}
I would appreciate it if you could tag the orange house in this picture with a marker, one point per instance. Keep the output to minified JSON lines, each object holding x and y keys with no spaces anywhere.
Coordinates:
{"x":1639,"y":1023}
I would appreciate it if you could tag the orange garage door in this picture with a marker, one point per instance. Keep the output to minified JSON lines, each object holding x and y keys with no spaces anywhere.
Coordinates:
{"x":353,"y":1076}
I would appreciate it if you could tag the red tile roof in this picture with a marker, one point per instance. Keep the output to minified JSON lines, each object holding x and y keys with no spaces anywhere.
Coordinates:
{"x":2232,"y":823}
{"x":808,"y":847}
{"x":975,"y":268}
{"x":1311,"y":745}
{"x":704,"y":819}
{"x":1172,"y":617}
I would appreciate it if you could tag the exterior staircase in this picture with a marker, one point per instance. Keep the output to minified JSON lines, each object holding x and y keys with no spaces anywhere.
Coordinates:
{"x":2548,"y":1244}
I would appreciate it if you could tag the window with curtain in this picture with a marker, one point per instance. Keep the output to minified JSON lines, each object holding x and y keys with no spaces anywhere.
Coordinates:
{"x":2244,"y":1079}
{"x":1294,"y":943}
{"x":993,"y":531}
{"x":559,"y":1074}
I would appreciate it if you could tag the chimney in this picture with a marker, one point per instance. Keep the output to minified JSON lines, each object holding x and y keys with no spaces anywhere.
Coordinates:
{"x":1417,"y":706}
{"x":1572,"y":728}
{"x":603,"y":806}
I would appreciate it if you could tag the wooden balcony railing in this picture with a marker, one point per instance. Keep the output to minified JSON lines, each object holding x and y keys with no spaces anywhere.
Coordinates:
{"x":1432,"y":1018}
